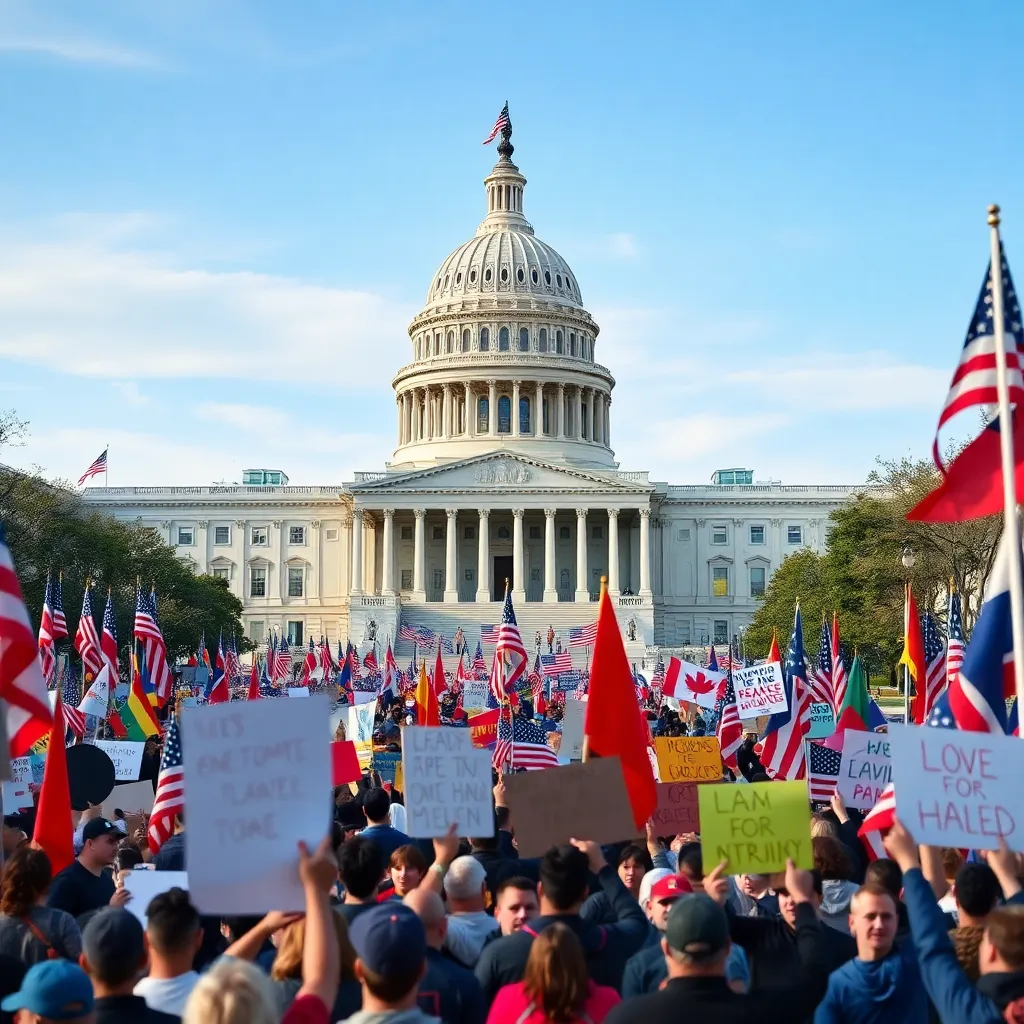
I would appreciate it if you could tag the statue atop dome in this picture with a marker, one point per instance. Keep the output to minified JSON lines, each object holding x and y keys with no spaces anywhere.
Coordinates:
{"x":503,"y":126}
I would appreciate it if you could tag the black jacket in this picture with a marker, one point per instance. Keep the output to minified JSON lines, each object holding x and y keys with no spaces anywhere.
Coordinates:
{"x":130,"y":1010}
{"x":606,"y":947}
{"x":450,"y":992}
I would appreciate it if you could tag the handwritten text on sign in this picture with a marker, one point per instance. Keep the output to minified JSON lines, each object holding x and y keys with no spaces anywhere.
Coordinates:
{"x":447,"y":781}
{"x":866,"y":768}
{"x":958,"y":788}
{"x":759,"y":690}
{"x":259,"y":780}
{"x":756,"y":827}
{"x":688,"y":758}
{"x":127,"y":758}
{"x":677,"y":811}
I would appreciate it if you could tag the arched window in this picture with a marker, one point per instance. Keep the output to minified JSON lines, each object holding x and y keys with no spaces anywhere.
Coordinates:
{"x":465,"y":340}
{"x":542,"y":340}
{"x":524,"y":340}
{"x":437,"y":344}
{"x":503,"y":339}
{"x":451,"y":342}
{"x":524,"y":415}
{"x":504,"y":415}
{"x":482,"y":414}
{"x":572,"y":344}
{"x":485,"y":339}
{"x":558,"y":342}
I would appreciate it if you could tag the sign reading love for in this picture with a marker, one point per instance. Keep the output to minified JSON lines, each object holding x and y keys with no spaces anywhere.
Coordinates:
{"x":688,"y":758}
{"x":759,"y":690}
{"x":958,"y":788}
{"x":866,"y":768}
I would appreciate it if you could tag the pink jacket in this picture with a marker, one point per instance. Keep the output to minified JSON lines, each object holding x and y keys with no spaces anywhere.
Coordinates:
{"x":512,"y":1007}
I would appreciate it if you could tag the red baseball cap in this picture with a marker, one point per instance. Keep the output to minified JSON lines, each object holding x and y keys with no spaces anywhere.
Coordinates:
{"x":671,"y":887}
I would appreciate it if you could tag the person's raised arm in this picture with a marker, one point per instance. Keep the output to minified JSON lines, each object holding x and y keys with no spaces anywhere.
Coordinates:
{"x":321,"y":958}
{"x":630,"y":923}
{"x":934,"y":870}
{"x":1003,"y":863}
{"x":248,"y":946}
{"x":446,"y":850}
{"x":744,"y":931}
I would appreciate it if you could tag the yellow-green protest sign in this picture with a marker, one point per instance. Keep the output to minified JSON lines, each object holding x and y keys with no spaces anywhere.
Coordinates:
{"x":756,"y":827}
{"x":688,"y":758}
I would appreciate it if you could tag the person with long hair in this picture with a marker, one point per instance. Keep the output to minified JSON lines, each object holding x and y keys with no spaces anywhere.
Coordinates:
{"x":30,"y":930}
{"x":407,"y":869}
{"x":555,"y":987}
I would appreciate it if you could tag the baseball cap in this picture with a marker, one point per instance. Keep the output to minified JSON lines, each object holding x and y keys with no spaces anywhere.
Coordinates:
{"x":99,"y":827}
{"x":389,"y":939}
{"x":697,"y":926}
{"x":671,"y":887}
{"x":113,"y":943}
{"x":55,"y":989}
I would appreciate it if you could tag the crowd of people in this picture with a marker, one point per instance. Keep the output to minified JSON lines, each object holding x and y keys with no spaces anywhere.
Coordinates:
{"x":398,"y":930}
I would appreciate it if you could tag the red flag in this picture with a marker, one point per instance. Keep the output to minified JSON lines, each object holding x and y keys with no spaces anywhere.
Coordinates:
{"x":54,"y":830}
{"x":344,"y":763}
{"x":773,"y":651}
{"x":614,"y":726}
{"x":254,"y":679}
{"x":438,"y":682}
{"x":913,"y":652}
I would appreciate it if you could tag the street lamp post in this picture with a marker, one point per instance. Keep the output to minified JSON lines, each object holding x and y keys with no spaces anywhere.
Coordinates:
{"x":908,"y":559}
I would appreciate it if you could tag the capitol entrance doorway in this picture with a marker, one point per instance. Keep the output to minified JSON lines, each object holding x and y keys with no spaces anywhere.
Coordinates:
{"x":502,"y":572}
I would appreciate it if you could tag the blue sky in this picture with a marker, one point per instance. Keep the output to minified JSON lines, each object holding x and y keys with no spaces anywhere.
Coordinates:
{"x":216,"y":220}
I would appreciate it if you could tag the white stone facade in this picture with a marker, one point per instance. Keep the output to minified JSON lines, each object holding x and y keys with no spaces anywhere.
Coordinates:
{"x":503,"y":469}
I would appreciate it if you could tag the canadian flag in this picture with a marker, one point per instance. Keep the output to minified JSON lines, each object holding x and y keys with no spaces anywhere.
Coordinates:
{"x":693,"y":683}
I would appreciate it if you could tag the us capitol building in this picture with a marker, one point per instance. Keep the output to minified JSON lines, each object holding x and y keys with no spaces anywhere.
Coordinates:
{"x":504,"y":469}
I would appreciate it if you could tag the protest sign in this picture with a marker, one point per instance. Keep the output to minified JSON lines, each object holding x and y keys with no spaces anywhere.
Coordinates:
{"x":483,"y":728}
{"x":298,"y":691}
{"x":572,"y":729}
{"x":144,"y":885}
{"x":259,"y":776}
{"x":586,"y":800}
{"x":21,"y":769}
{"x":127,"y":758}
{"x":131,"y":797}
{"x":345,"y":765}
{"x":448,"y":781}
{"x":16,"y":796}
{"x":957,"y":788}
{"x":823,"y":721}
{"x":688,"y":758}
{"x":678,"y":808}
{"x":759,"y":690}
{"x":385,"y":763}
{"x":756,"y":827}
{"x":359,"y":729}
{"x":866,"y":768}
{"x":474,"y":694}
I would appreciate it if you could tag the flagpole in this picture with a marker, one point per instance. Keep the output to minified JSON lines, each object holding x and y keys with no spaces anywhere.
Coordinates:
{"x":1011,"y":528}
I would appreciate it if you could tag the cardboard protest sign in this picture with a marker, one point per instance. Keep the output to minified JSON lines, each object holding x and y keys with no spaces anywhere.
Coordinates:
{"x":15,"y":796}
{"x":258,"y":780}
{"x":866,"y":768}
{"x":686,"y":681}
{"x":958,"y":788}
{"x":579,"y":801}
{"x":678,"y":808}
{"x":448,"y":781}
{"x":359,"y":728}
{"x":21,"y":769}
{"x":385,"y":763}
{"x":131,"y":797}
{"x":823,"y":721}
{"x":144,"y":885}
{"x":759,"y":690}
{"x":756,"y":827}
{"x":572,"y":729}
{"x":474,"y":694}
{"x":345,"y":765}
{"x":483,"y":728}
{"x":688,"y":758}
{"x":127,"y":758}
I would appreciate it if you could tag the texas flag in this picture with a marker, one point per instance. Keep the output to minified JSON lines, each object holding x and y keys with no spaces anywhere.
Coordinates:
{"x":689,"y":682}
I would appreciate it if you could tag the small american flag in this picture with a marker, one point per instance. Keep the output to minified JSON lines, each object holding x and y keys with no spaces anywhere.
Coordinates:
{"x":87,"y":640}
{"x":69,"y":695}
{"x":98,"y":466}
{"x":60,"y":622}
{"x":955,"y":646}
{"x":408,"y":633}
{"x":446,"y":644}
{"x":479,"y":666}
{"x":879,"y":819}
{"x":823,"y":773}
{"x":521,"y":744}
{"x":426,"y":637}
{"x":510,"y":662}
{"x":47,"y":656}
{"x":170,"y":790}
{"x":556,"y":664}
{"x":488,"y":634}
{"x":838,"y":669}
{"x":583,"y":636}
{"x":108,"y":643}
{"x":935,"y":665}
{"x":782,"y":748}
{"x":502,"y":122}
{"x":730,"y":729}
{"x":154,"y":650}
{"x":820,"y":675}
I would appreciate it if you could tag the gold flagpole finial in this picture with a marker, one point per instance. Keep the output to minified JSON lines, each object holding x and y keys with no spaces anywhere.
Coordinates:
{"x":993,"y":215}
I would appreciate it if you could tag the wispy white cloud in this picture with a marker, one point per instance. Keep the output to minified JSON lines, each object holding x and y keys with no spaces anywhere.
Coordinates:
{"x":82,"y":50}
{"x":621,"y":245}
{"x":129,"y":392}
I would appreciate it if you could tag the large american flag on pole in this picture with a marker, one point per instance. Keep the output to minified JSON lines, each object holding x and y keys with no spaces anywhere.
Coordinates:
{"x":820,"y":677}
{"x":838,"y":669}
{"x":556,"y":664}
{"x":47,"y":655}
{"x":154,"y":650}
{"x":583,"y":636}
{"x":521,"y":744}
{"x":87,"y":640}
{"x":782,"y":748}
{"x":510,"y":660}
{"x":74,"y":718}
{"x":730,"y":728}
{"x":99,"y":465}
{"x":955,"y":643}
{"x":502,"y":122}
{"x":108,"y":643}
{"x":935,"y":666}
{"x":170,"y":790}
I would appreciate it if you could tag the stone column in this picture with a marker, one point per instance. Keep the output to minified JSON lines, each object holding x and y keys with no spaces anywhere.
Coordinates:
{"x":357,"y":552}
{"x":518,"y":584}
{"x":591,"y":419}
{"x":419,"y":559}
{"x":492,"y":408}
{"x":578,"y":415}
{"x":387,"y":553}
{"x":613,"y":552}
{"x":582,"y":585}
{"x":608,"y":421}
{"x":550,"y":579}
{"x":645,"y":552}
{"x":451,"y":569}
{"x":399,"y":407}
{"x":538,"y":412}
{"x":515,"y":408}
{"x":560,"y":431}
{"x":470,"y":412}
{"x":446,"y":416}
{"x":483,"y":558}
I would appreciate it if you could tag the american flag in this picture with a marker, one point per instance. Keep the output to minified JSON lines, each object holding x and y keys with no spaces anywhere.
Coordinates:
{"x":326,"y":661}
{"x":446,"y":645}
{"x":87,"y":640}
{"x":98,"y":466}
{"x":283,"y":660}
{"x":838,"y":669}
{"x":310,"y":662}
{"x":521,"y":744}
{"x":479,"y":666}
{"x":935,"y":666}
{"x":108,"y":644}
{"x":782,"y":749}
{"x":232,"y":663}
{"x":154,"y":650}
{"x":426,"y":637}
{"x":21,"y":677}
{"x":730,"y":729}
{"x":60,"y":622}
{"x":74,"y":719}
{"x":820,"y":675}
{"x":170,"y":790}
{"x":823,"y":772}
{"x":488,"y":634}
{"x":583,"y":636}
{"x":408,"y":633}
{"x":974,"y":381}
{"x":955,"y":645}
{"x":509,"y":664}
{"x":555,"y":664}
{"x":47,"y":655}
{"x":878,"y":820}
{"x":502,"y":122}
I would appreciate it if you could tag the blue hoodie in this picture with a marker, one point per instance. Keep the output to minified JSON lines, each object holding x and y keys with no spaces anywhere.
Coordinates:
{"x":887,"y":991}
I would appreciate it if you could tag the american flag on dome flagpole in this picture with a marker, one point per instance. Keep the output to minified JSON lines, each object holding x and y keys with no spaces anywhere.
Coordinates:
{"x":502,"y":123}
{"x":935,"y":667}
{"x":782,"y":747}
{"x":154,"y":650}
{"x":99,"y":465}
{"x":47,"y":655}
{"x":521,"y":744}
{"x":510,"y":660}
{"x":838,"y":669}
{"x":583,"y":636}
{"x":170,"y":790}
{"x":820,"y":675}
{"x":955,"y":643}
{"x":74,"y":718}
{"x":87,"y":640}
{"x":730,"y":729}
{"x":822,"y":771}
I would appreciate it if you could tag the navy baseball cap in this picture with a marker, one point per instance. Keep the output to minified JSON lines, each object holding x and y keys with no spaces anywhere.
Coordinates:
{"x":98,"y":827}
{"x":55,"y":989}
{"x":389,"y":939}
{"x":113,"y":941}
